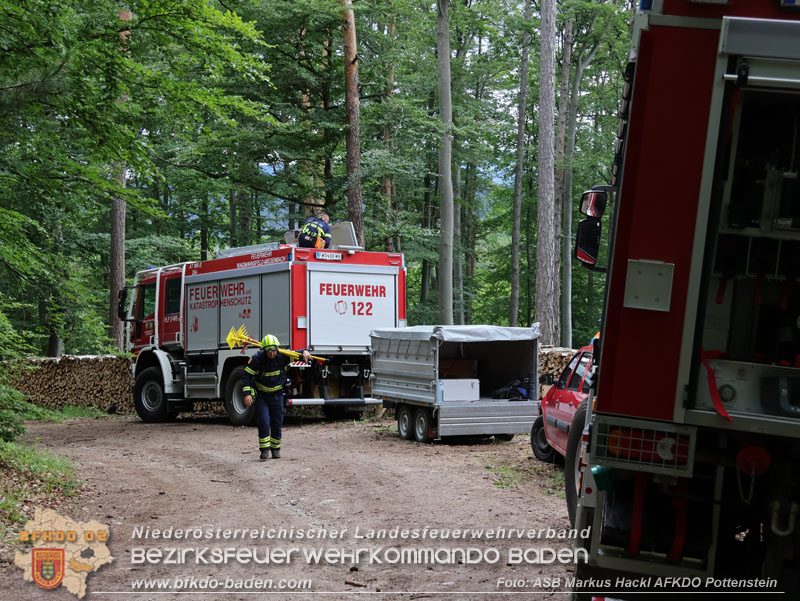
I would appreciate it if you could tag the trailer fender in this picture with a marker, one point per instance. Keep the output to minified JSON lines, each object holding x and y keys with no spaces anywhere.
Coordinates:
{"x":158,"y":358}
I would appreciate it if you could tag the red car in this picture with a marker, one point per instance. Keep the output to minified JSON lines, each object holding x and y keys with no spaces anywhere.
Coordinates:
{"x":553,"y":435}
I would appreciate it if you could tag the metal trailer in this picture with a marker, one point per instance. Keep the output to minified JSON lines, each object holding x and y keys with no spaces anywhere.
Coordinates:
{"x":440,"y":379}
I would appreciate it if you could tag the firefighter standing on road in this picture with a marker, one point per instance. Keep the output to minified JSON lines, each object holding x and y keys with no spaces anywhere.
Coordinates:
{"x":316,"y":232}
{"x":264,"y":377}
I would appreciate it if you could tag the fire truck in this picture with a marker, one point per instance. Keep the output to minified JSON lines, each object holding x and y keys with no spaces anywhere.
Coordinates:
{"x":179,"y":318}
{"x":686,"y":459}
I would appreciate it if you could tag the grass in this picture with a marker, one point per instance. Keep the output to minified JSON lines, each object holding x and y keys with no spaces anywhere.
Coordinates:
{"x":30,"y":477}
{"x":72,"y":412}
{"x":552,"y":478}
{"x":549,"y":476}
{"x":509,"y":476}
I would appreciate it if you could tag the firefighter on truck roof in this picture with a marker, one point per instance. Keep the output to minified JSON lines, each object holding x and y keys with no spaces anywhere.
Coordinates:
{"x":263,"y":378}
{"x":316,"y":232}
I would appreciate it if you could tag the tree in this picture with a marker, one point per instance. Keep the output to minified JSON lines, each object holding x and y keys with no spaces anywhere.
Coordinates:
{"x":547,"y":276}
{"x":445,"y":165}
{"x":354,"y":200}
{"x":517,"y":217}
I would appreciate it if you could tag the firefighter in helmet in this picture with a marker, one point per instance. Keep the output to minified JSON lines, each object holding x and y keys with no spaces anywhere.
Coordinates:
{"x":263,"y":379}
{"x":316,"y":232}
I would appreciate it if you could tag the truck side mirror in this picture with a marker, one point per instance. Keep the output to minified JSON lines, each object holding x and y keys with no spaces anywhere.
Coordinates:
{"x":587,"y":243}
{"x":547,"y":379}
{"x":593,"y":203}
{"x":122,"y":301}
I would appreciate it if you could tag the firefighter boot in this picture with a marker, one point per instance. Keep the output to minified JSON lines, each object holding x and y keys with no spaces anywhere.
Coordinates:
{"x":264,"y":454}
{"x":276,"y":453}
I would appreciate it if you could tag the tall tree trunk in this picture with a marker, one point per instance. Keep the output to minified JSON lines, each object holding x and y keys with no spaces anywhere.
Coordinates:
{"x":547,"y":249}
{"x":387,"y":183}
{"x":470,"y":186}
{"x":354,"y":209}
{"x":116,"y":267}
{"x":232,"y":217}
{"x":528,"y":261}
{"x":445,"y":183}
{"x":458,"y":263}
{"x":204,"y":218}
{"x":427,"y":211}
{"x":563,"y":207}
{"x":116,"y":273}
{"x":584,"y":60}
{"x":517,"y":216}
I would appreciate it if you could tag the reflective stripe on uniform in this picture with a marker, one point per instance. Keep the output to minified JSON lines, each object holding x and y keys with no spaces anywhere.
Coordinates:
{"x":247,"y":390}
{"x":263,"y":388}
{"x":276,"y":443}
{"x":252,"y":372}
{"x":269,"y":374}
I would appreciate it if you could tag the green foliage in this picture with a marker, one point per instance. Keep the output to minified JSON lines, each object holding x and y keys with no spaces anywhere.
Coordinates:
{"x":54,"y":473}
{"x":31,"y":476}
{"x":228,"y":120}
{"x":14,"y":410}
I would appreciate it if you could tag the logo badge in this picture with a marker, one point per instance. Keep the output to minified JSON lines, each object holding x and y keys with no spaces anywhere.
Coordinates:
{"x":48,"y":567}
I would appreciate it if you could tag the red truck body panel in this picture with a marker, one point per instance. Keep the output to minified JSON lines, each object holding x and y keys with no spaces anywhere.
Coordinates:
{"x":657,"y":206}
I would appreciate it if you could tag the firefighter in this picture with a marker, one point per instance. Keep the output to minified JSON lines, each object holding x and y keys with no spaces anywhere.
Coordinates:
{"x":264,"y":377}
{"x":316,"y":232}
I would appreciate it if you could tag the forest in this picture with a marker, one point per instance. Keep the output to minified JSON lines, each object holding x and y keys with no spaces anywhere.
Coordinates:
{"x":153,"y":132}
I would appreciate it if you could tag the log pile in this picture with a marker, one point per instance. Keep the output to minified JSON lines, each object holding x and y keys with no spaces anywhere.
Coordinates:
{"x":81,"y":381}
{"x":552,"y":360}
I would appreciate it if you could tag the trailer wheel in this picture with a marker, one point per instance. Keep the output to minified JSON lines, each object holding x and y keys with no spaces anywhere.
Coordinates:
{"x":572,"y":465}
{"x":541,"y":448}
{"x":149,"y":397}
{"x":422,"y":423}
{"x":405,"y":422}
{"x":239,"y":414}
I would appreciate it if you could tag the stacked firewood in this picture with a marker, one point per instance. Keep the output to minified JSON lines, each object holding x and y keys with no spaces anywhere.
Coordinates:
{"x":82,"y":381}
{"x":552,"y":360}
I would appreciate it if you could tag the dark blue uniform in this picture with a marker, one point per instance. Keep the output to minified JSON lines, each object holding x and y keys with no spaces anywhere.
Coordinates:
{"x":315,"y":234}
{"x":263,"y":379}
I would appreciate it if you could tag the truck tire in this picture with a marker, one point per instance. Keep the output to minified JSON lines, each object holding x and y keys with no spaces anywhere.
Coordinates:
{"x":405,"y":422}
{"x":239,"y":414}
{"x":539,"y":445}
{"x":149,"y":397}
{"x":572,"y":461}
{"x":422,"y":424}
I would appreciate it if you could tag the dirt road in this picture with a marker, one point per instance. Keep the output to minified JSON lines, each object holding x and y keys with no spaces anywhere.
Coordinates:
{"x":344,"y":479}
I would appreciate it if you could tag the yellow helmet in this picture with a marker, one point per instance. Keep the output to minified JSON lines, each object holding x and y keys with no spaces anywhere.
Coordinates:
{"x":270,"y":343}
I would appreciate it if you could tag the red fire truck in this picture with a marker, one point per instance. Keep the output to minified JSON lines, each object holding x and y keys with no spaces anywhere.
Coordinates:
{"x":690,"y":454}
{"x":328,"y":301}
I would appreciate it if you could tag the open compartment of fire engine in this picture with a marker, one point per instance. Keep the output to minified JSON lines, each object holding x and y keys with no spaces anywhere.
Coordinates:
{"x":751,"y":323}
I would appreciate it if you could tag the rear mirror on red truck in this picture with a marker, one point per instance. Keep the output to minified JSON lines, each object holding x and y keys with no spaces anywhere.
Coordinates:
{"x":587,"y":243}
{"x":593,"y":203}
{"x":122,"y":301}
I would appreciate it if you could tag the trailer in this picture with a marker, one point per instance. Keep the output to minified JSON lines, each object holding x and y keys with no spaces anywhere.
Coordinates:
{"x":179,"y":318}
{"x":686,"y":458}
{"x":457,"y":380}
